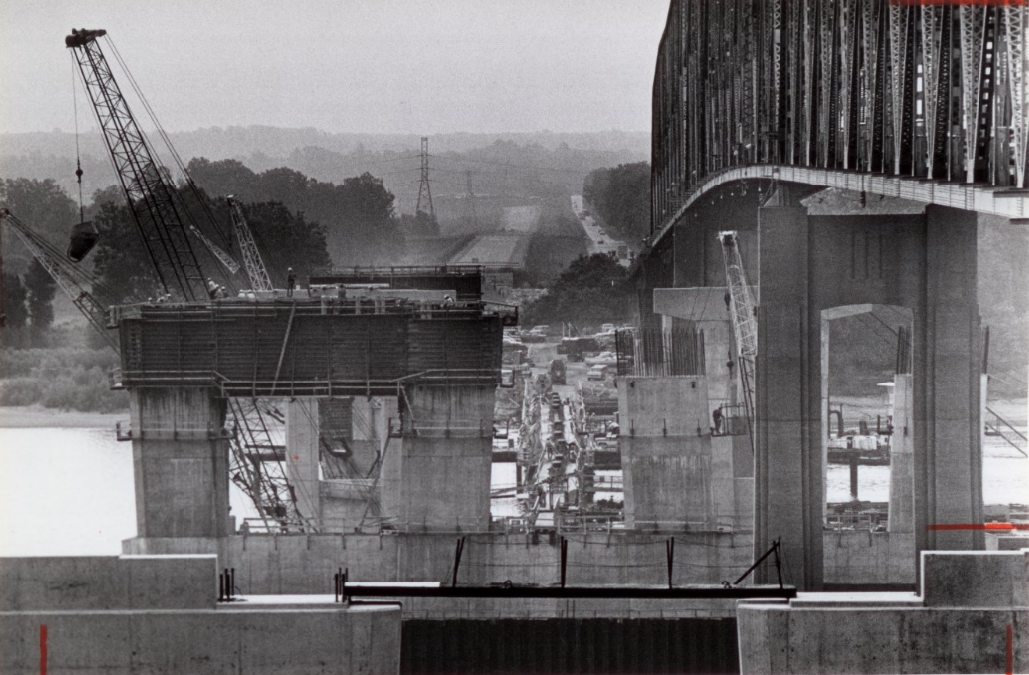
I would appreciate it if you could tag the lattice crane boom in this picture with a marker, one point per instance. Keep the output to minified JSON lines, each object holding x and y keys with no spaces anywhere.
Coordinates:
{"x":744,"y":319}
{"x":160,"y":217}
{"x":256,"y":271}
{"x":69,"y":278}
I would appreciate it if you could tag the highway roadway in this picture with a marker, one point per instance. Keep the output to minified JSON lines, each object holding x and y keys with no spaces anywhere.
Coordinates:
{"x":600,"y":241}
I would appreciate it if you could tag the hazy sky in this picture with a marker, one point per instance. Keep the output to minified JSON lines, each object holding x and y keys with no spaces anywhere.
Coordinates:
{"x":417,"y":66}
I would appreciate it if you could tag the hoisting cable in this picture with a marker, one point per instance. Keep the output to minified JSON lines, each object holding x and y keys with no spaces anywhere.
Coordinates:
{"x":78,"y":156}
{"x":222,"y":232}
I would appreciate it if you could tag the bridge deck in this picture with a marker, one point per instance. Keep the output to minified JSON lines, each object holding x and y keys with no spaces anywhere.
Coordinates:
{"x":1007,"y":202}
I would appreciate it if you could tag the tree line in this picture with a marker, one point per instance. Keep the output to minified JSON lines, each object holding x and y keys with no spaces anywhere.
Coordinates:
{"x":296,"y":222}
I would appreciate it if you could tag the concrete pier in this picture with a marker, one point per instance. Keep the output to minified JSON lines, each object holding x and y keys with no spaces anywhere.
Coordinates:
{"x":902,"y":479}
{"x":665,"y":445}
{"x":303,"y":455}
{"x":808,"y":264}
{"x":438,"y":479}
{"x":180,"y":454}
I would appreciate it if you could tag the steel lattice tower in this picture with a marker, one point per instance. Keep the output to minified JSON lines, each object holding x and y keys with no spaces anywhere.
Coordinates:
{"x":424,"y":189}
{"x":469,"y":210}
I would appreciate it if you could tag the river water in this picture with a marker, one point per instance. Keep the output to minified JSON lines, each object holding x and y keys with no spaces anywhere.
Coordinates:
{"x":70,"y":491}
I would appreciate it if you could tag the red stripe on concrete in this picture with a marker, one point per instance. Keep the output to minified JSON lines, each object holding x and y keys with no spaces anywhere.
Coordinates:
{"x":1010,"y":652}
{"x":979,"y":526}
{"x":42,"y":648}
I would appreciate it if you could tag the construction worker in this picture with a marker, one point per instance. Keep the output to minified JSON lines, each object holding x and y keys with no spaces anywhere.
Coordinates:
{"x":716,"y":416}
{"x":291,"y":282}
{"x":212,"y":288}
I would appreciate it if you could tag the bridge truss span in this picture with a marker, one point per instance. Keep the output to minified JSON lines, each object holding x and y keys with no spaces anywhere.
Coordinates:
{"x":844,"y":92}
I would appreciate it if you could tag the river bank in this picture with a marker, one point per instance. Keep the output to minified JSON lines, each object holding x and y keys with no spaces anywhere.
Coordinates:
{"x":29,"y":417}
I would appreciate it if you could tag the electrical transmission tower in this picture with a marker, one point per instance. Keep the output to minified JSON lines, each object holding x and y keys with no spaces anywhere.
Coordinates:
{"x":424,"y":190}
{"x":469,"y":207}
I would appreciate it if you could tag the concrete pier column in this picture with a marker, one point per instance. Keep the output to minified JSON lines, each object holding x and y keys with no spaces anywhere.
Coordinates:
{"x":303,"y":455}
{"x":371,"y":418}
{"x":788,"y":476}
{"x":948,"y":464}
{"x":902,"y":501}
{"x":665,"y":447}
{"x":439,"y":479}
{"x":180,"y":454}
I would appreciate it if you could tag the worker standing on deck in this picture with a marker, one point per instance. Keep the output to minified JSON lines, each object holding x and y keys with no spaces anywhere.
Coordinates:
{"x":212,"y":288}
{"x":716,"y":416}
{"x":291,"y":282}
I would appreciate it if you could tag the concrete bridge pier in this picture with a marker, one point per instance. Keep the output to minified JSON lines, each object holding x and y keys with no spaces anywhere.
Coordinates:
{"x":180,"y":454}
{"x":438,"y":479}
{"x":665,"y":445}
{"x":902,"y":469}
{"x":312,"y":427}
{"x":925,"y":262}
{"x":303,"y":455}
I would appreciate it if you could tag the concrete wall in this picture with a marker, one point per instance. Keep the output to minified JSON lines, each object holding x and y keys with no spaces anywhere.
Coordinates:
{"x":108,"y":582}
{"x":272,"y":564}
{"x":180,"y":455}
{"x":158,"y":614}
{"x":971,"y":614}
{"x":848,"y":639}
{"x":263,"y":640}
{"x":868,"y":558}
{"x":975,"y":579}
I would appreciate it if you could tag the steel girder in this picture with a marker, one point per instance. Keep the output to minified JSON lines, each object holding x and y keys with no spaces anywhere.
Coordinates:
{"x":935,"y":91}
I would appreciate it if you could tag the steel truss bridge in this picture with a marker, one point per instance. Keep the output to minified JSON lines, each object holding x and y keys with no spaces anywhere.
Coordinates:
{"x":922,"y":99}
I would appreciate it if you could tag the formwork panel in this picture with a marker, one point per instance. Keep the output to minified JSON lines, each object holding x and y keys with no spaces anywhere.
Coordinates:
{"x":306,"y":348}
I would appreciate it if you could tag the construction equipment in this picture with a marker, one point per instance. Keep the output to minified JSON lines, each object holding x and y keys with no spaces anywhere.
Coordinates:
{"x":744,"y":321}
{"x":256,"y":271}
{"x":157,"y":208}
{"x":72,"y":280}
{"x":162,"y":218}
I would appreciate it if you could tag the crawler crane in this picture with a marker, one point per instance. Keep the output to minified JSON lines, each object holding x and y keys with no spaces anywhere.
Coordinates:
{"x":163,"y":220}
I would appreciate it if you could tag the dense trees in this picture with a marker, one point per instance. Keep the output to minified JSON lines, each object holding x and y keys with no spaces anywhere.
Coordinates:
{"x":42,"y":205}
{"x":356,"y":216}
{"x":40,"y":288}
{"x":284,"y":239}
{"x":15,"y":313}
{"x":621,"y":197}
{"x":593,"y":290}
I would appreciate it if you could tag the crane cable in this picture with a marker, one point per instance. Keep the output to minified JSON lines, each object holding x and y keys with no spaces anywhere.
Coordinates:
{"x":78,"y":155}
{"x":222,"y":233}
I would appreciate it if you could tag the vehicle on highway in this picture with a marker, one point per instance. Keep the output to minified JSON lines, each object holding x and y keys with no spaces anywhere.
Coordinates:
{"x":575,"y":347}
{"x":596,"y":373}
{"x":607,"y":328}
{"x":558,"y":373}
{"x":601,"y":359}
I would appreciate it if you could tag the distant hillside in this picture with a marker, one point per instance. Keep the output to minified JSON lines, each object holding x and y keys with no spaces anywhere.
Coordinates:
{"x":541,"y":157}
